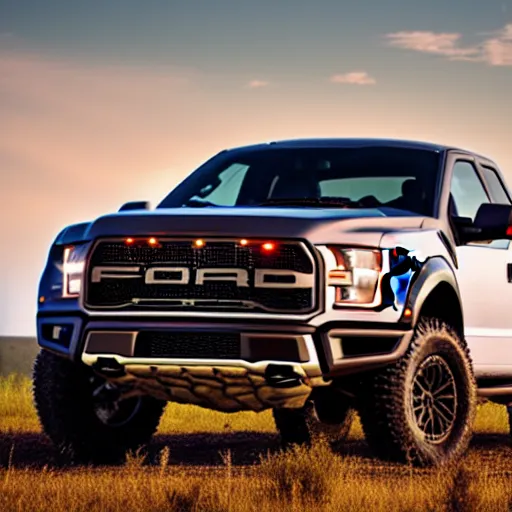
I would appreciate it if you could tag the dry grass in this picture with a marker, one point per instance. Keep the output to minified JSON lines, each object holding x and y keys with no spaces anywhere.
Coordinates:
{"x":217,"y":462}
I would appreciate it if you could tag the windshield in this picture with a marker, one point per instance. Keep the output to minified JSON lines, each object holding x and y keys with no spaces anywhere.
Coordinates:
{"x":370,"y":177}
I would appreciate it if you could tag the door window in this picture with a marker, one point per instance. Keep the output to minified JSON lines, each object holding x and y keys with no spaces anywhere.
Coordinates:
{"x":467,"y":190}
{"x":468,"y":194}
{"x":496,"y":187}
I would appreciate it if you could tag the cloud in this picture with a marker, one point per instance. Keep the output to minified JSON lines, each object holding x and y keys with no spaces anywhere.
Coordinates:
{"x":257,"y":84}
{"x":354,"y":78}
{"x":496,"y":50}
{"x":431,"y":42}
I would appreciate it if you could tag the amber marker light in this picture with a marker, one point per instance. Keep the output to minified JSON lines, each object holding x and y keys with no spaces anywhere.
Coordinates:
{"x":41,"y":299}
{"x":129,"y":241}
{"x":268,"y":246}
{"x":244,"y":242}
{"x":407,"y":313}
{"x":199,"y":243}
{"x":340,"y":277}
{"x":152,"y":241}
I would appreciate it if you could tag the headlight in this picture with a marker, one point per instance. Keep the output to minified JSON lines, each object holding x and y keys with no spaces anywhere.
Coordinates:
{"x":73,"y":263}
{"x":356,"y":275}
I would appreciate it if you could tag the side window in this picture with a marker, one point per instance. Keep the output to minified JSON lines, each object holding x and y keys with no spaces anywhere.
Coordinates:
{"x":467,"y":190}
{"x":496,"y":187}
{"x":468,"y":194}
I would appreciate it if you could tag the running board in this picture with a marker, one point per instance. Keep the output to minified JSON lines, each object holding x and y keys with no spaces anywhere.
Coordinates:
{"x":495,"y":391}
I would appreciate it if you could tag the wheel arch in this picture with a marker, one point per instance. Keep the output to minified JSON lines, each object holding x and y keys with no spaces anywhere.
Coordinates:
{"x":435,"y":293}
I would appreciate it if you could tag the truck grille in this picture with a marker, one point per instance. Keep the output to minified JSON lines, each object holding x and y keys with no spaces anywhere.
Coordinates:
{"x":188,"y":345}
{"x":219,"y":276}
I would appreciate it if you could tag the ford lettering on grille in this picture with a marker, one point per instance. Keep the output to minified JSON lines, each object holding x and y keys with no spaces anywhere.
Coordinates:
{"x":219,"y":276}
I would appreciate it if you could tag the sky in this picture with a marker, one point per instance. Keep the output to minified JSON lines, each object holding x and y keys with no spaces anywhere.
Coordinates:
{"x":103,"y":102}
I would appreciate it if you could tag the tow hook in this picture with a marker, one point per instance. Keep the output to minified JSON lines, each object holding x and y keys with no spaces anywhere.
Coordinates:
{"x":109,"y":367}
{"x":282,"y":376}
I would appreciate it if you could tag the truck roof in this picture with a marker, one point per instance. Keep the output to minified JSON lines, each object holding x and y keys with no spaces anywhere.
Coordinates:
{"x":342,"y":142}
{"x":348,"y":142}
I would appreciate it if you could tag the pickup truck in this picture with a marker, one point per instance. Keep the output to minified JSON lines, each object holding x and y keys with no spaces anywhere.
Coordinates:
{"x":316,"y":278}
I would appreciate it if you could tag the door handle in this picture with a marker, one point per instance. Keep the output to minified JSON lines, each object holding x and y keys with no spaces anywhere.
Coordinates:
{"x":509,"y":272}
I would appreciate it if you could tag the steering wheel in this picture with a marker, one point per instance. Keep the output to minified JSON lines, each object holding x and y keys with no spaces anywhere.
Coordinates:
{"x":369,"y":202}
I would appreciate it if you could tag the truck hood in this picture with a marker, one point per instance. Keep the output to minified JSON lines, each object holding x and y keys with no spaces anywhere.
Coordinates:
{"x":317,"y":225}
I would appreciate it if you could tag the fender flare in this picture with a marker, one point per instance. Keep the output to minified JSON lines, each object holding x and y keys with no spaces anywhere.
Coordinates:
{"x":73,"y":233}
{"x":433,"y":272}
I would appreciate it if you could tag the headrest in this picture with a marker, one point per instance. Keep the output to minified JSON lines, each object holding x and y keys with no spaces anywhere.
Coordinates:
{"x":410,"y":187}
{"x":300,"y":185}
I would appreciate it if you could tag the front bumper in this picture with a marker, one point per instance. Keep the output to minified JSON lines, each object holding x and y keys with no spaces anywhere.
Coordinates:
{"x":267,"y":373}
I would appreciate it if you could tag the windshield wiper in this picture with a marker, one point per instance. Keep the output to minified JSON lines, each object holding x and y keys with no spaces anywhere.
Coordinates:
{"x":196,"y":202}
{"x":324,"y":202}
{"x":327,"y":202}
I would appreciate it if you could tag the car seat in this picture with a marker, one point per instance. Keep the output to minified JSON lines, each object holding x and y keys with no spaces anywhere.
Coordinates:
{"x":295,"y":186}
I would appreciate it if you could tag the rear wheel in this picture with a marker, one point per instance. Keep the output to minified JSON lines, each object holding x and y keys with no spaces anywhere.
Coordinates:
{"x":83,"y":415}
{"x":421,"y":409}
{"x":327,"y":414}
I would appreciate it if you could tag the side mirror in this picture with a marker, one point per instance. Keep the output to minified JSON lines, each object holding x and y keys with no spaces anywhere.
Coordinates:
{"x":135,"y":205}
{"x":492,"y":222}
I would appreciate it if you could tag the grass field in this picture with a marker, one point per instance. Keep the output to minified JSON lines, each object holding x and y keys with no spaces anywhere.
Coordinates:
{"x":201,"y":460}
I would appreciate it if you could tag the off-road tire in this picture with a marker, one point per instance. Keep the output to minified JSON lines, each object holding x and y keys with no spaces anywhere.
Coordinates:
{"x":386,"y":406}
{"x":302,"y":426}
{"x":64,"y":402}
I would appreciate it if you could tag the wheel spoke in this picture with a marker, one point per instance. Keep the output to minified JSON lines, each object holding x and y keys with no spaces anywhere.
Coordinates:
{"x":437,"y":377}
{"x":427,"y":377}
{"x":446,"y":409}
{"x":421,"y":386}
{"x":442,"y":385}
{"x":442,"y":416}
{"x":445,"y":397}
{"x":421,"y":421}
{"x":439,"y":422}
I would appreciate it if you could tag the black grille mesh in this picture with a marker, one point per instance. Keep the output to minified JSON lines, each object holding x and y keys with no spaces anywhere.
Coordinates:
{"x":188,"y":345}
{"x":212,"y":295}
{"x":214,"y":255}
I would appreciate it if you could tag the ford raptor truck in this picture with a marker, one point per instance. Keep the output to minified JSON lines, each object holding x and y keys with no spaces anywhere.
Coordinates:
{"x":315,"y":278}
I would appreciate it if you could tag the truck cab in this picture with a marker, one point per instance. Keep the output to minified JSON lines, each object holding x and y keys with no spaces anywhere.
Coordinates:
{"x":311,"y":277}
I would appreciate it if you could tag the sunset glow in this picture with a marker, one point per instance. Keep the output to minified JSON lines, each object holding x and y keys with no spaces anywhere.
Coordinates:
{"x":103,"y":103}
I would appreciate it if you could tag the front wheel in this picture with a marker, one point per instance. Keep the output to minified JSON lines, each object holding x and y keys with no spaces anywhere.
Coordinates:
{"x":81,"y":413}
{"x":421,"y":409}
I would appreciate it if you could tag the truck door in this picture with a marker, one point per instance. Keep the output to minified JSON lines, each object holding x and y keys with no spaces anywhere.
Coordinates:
{"x":485,"y":272}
